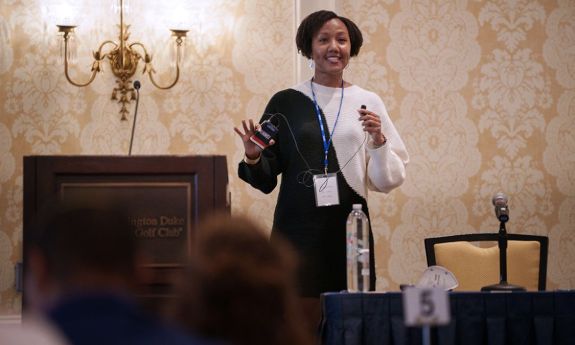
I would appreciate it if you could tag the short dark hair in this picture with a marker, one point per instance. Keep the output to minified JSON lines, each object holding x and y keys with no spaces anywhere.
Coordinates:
{"x":85,"y":237}
{"x":313,"y":22}
{"x":240,"y":287}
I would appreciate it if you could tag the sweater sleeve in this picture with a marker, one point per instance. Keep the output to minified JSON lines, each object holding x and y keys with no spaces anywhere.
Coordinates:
{"x":386,"y":164}
{"x":263,"y":174}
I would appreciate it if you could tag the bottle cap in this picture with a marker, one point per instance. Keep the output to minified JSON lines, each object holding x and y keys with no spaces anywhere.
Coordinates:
{"x":357,"y":206}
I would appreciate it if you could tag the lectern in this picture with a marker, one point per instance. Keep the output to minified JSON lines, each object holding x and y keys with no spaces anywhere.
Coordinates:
{"x":166,"y":198}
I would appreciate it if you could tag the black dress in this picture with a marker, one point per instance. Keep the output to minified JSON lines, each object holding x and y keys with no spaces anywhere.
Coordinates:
{"x":317,"y":233}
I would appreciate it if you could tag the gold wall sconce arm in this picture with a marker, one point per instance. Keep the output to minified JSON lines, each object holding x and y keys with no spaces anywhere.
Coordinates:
{"x":123,"y":58}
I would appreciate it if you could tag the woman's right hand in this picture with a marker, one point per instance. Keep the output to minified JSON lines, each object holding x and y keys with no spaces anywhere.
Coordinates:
{"x":253,"y":151}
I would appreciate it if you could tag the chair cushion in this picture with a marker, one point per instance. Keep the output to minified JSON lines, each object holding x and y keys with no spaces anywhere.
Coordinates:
{"x":475,"y":267}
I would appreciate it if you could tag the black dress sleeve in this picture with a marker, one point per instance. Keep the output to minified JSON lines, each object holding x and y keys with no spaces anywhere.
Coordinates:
{"x":263,"y":175}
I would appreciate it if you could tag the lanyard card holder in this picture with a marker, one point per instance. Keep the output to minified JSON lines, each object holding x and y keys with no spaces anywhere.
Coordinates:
{"x":326,"y":191}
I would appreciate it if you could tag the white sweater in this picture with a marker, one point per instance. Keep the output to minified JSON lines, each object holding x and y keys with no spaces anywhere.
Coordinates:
{"x":380,"y":169}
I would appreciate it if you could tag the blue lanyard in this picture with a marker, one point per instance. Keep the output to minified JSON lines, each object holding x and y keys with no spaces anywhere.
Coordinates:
{"x":326,"y":143}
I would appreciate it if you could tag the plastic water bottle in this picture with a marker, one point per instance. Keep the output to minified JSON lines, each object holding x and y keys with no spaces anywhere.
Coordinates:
{"x":357,"y":246}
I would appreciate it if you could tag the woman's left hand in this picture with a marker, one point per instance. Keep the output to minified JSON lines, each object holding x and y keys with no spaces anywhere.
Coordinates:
{"x":371,"y":123}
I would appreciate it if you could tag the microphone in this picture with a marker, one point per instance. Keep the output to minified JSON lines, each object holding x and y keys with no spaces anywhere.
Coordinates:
{"x":137,"y":86}
{"x":501,"y":209}
{"x":502,"y":212}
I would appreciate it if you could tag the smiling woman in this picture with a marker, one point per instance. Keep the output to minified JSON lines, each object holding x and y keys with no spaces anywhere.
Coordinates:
{"x":329,"y":46}
{"x":330,"y":131}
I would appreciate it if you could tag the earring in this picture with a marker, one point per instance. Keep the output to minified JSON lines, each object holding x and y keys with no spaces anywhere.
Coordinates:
{"x":310,"y":64}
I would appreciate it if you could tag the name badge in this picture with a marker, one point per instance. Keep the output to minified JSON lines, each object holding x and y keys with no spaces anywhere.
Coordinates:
{"x":326,"y":192}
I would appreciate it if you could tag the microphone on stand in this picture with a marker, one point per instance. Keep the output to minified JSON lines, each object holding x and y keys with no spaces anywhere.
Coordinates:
{"x":137,"y":86}
{"x":501,"y":209}
{"x":502,"y":213}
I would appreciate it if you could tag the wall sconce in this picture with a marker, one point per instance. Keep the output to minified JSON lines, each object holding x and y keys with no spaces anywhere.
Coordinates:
{"x":123,"y":57}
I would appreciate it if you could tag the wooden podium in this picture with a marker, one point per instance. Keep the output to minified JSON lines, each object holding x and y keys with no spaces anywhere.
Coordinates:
{"x":166,"y":198}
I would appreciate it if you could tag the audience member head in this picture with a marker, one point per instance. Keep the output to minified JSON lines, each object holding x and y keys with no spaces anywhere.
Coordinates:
{"x":84,"y":245}
{"x":239,"y":286}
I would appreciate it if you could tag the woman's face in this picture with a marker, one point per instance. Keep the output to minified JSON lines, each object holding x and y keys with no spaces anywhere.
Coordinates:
{"x":331,"y":47}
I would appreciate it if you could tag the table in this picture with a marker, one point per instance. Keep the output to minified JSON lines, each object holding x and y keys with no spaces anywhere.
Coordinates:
{"x":493,"y":318}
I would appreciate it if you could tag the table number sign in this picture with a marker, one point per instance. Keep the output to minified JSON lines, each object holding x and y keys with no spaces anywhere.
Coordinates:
{"x":425,"y":306}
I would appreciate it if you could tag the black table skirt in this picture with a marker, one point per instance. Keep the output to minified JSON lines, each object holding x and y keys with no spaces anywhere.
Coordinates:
{"x":522,"y":318}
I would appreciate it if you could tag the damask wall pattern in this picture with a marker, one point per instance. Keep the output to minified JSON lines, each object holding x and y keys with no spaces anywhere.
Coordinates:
{"x":482,"y":92}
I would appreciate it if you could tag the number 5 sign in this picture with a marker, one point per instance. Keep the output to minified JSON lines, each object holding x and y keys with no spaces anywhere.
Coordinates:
{"x":425,"y":307}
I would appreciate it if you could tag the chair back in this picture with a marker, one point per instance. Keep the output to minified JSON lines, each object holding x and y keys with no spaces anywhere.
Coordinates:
{"x":477,"y":265}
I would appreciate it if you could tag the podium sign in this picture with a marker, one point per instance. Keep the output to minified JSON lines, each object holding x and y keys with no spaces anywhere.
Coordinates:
{"x":165,"y":198}
{"x":160,"y":212}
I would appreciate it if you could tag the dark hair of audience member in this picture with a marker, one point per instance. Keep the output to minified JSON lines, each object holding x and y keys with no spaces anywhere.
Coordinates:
{"x":85,"y":237}
{"x":240,"y":287}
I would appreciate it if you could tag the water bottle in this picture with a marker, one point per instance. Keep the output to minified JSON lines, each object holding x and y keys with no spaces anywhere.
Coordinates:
{"x":357,"y":249}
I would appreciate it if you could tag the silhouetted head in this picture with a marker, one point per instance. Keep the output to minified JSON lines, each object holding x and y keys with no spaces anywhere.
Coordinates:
{"x":81,"y":245}
{"x":240,"y":287}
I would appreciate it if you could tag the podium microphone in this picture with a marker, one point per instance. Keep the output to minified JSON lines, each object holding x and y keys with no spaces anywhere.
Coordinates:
{"x":501,"y":209}
{"x":137,"y":86}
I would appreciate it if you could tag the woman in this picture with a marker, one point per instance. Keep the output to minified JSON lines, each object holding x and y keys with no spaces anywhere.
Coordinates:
{"x":335,"y":142}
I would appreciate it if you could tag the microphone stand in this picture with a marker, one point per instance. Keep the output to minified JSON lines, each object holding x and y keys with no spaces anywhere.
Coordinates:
{"x":503,"y":284}
{"x":137,"y":88}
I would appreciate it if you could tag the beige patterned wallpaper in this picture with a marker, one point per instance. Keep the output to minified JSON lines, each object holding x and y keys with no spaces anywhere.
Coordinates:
{"x":483,"y":93}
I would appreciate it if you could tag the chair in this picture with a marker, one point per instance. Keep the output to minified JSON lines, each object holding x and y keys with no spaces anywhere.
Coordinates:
{"x":476,"y":266}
